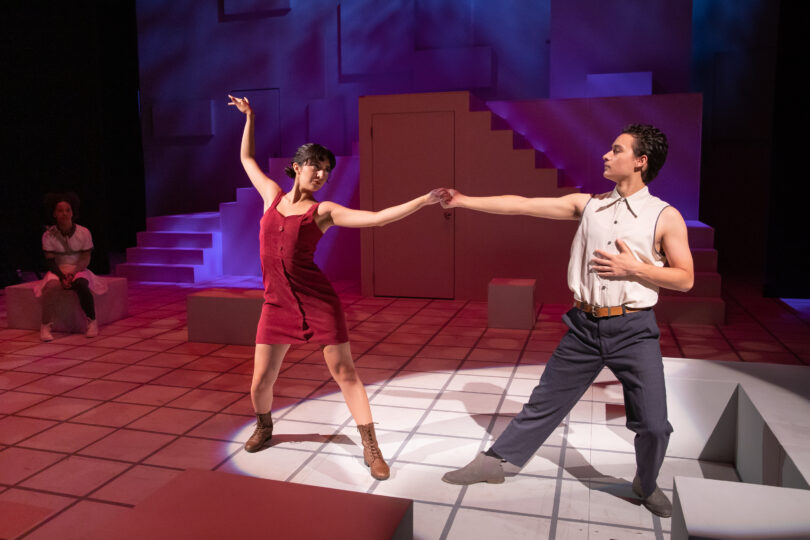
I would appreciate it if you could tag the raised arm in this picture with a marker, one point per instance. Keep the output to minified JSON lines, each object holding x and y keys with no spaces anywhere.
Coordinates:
{"x":336,"y":214}
{"x":679,"y":273}
{"x":266,"y":187}
{"x":565,"y":207}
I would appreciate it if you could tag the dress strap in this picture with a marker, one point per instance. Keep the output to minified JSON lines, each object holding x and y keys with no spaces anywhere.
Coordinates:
{"x":279,"y":195}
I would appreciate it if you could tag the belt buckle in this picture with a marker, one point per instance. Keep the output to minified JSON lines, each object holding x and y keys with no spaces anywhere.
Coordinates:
{"x":594,"y":309}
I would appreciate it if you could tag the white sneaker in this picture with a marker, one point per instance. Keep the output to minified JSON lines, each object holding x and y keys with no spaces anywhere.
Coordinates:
{"x":92,"y":328}
{"x":45,"y":332}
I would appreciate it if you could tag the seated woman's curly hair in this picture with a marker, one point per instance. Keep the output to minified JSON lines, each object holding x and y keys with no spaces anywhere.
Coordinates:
{"x":52,"y":199}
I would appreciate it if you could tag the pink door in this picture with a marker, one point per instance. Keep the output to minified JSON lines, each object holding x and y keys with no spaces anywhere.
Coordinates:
{"x":412,"y":154}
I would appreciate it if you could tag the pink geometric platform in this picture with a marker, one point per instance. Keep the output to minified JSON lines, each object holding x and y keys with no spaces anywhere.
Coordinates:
{"x":206,"y":504}
{"x":25,"y":310}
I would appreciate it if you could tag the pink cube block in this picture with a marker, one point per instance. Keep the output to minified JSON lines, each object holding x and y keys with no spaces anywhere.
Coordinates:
{"x":25,"y":310}
{"x":224,"y":315}
{"x":511,"y":303}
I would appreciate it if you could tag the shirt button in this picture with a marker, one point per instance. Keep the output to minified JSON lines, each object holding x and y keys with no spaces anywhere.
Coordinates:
{"x":604,"y":287}
{"x":609,"y":242}
{"x":281,"y":228}
{"x":615,"y":222}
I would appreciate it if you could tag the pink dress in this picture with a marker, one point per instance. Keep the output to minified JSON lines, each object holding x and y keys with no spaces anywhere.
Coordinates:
{"x":300,"y":305}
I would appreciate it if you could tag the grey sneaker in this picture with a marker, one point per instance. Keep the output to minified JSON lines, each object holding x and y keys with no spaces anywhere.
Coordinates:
{"x":482,"y":469}
{"x":656,"y":502}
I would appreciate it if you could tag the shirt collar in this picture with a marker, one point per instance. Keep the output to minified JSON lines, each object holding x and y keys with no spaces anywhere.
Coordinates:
{"x":55,"y":230}
{"x":634,"y":202}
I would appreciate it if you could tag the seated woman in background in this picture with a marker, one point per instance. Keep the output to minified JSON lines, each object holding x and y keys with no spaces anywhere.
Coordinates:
{"x":67,"y":248}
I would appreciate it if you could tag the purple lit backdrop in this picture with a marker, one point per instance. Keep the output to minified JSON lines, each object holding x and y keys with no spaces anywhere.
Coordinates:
{"x":596,"y":36}
{"x":552,"y":124}
{"x":304,"y":65}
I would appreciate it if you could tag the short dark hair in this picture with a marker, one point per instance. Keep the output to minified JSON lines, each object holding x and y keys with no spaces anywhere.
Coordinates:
{"x":52,"y":199}
{"x":310,"y":153}
{"x":651,"y":142}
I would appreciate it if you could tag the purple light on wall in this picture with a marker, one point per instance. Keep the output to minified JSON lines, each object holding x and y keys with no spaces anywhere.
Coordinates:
{"x":587,"y":37}
{"x":574,"y":133}
{"x":638,"y":83}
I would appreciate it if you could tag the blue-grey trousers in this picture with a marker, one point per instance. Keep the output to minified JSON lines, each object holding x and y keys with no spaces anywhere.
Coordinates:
{"x":628,"y":345}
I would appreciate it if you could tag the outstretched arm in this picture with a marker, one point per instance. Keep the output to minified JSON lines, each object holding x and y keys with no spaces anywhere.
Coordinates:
{"x":347,"y":217}
{"x":266,"y":187}
{"x":678,"y":275}
{"x":566,"y":207}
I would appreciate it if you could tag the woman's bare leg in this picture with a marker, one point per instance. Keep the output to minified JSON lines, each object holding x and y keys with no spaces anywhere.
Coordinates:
{"x":339,"y":360}
{"x":267,"y":361}
{"x":341,"y":366}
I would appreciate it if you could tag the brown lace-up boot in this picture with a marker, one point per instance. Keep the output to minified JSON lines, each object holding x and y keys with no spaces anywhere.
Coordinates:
{"x":372,"y":456}
{"x":262,"y":433}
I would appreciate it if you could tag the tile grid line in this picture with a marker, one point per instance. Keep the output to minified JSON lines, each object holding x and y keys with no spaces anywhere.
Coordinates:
{"x":309,"y":396}
{"x":377,"y":391}
{"x":233,"y":368}
{"x":140,"y":462}
{"x":555,"y":512}
{"x":488,"y":432}
{"x":131,"y":466}
{"x":739,"y":304}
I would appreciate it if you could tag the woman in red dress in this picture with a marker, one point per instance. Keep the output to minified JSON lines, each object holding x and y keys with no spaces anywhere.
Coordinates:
{"x":300,"y":304}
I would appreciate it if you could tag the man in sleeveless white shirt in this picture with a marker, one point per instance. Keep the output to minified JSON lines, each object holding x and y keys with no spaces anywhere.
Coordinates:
{"x":628,"y":244}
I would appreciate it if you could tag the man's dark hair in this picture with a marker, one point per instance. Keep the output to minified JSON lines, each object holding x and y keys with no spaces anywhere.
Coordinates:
{"x":310,"y":153}
{"x":651,"y":142}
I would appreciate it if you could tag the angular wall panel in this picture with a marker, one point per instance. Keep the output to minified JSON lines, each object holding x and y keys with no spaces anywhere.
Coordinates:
{"x":589,"y":36}
{"x":452,"y":69}
{"x":251,"y":9}
{"x":444,"y":23}
{"x":376,"y":37}
{"x":326,"y":124}
{"x":637,"y":83}
{"x":187,"y":118}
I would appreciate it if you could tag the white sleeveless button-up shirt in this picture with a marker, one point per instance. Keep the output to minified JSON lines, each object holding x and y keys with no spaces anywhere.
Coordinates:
{"x":632,"y":220}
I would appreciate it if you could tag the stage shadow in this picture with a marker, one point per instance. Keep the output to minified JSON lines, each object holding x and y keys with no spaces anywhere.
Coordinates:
{"x":291,"y":438}
{"x":586,"y":474}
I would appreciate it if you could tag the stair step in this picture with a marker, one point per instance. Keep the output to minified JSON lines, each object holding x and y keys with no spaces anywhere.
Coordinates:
{"x":690,"y":310}
{"x":148,"y":255}
{"x":247,"y":196}
{"x":175,"y":239}
{"x":700,"y":234}
{"x":176,"y":273}
{"x":705,"y":259}
{"x":497,"y":123}
{"x":707,"y":284}
{"x":199,"y":222}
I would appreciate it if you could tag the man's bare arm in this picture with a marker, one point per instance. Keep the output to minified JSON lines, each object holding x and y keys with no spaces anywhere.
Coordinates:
{"x":566,"y":207}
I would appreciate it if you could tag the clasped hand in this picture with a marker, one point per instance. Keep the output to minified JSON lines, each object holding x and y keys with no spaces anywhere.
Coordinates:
{"x":445,"y":196}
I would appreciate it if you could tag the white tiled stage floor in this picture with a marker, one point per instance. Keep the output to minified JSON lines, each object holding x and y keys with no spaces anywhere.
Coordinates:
{"x":88,"y":428}
{"x":428,"y":423}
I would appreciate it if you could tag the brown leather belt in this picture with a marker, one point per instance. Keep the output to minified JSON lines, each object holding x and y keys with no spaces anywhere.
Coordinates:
{"x":607,"y":311}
